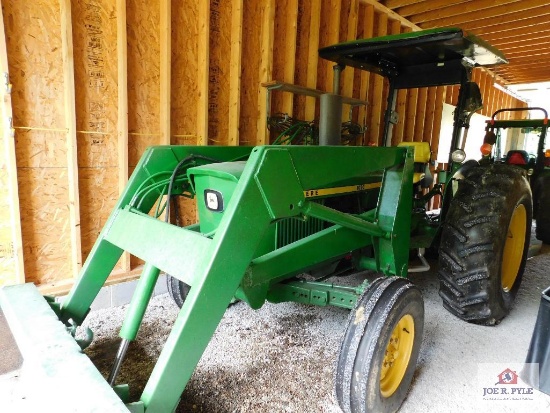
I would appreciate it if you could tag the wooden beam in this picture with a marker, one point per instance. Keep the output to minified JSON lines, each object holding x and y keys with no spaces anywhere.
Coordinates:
{"x":312,"y":57}
{"x":511,"y":45}
{"x":383,"y":10}
{"x":291,"y":31}
{"x":536,"y":78}
{"x":8,"y":138}
{"x":517,"y":35}
{"x":492,"y":16}
{"x":165,"y":70}
{"x":203,"y":68}
{"x":122,"y":116}
{"x":528,"y":59}
{"x":394,"y":4}
{"x":266,"y":68}
{"x":348,"y":74}
{"x":235,"y":72}
{"x":526,"y":53}
{"x":483,"y":7}
{"x":424,"y":6}
{"x":533,"y":23}
{"x":70,"y":123}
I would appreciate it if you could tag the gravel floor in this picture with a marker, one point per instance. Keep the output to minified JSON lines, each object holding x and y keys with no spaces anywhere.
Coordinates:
{"x":281,"y":357}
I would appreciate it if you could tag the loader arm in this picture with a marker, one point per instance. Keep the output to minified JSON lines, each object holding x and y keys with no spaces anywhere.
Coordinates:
{"x":275,"y":183}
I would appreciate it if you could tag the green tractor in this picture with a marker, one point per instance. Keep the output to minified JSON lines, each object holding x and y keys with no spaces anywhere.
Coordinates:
{"x":522,"y":143}
{"x":269,"y":214}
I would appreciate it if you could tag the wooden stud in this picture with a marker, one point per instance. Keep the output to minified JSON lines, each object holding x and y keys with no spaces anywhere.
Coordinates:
{"x":378,"y":89}
{"x":395,"y":28}
{"x":412,"y":97}
{"x":122,"y":117}
{"x":368,"y":24}
{"x":481,"y":84}
{"x":438,"y":114}
{"x":429,"y":115}
{"x":312,"y":57}
{"x":165,"y":70}
{"x":202,"y":72}
{"x":401,"y":107}
{"x":333,"y":37}
{"x":291,"y":30}
{"x":420,"y":115}
{"x":266,"y":68}
{"x":348,"y":75}
{"x":8,"y":135}
{"x":235,"y":72}
{"x":70,"y":122}
{"x":486,"y":93}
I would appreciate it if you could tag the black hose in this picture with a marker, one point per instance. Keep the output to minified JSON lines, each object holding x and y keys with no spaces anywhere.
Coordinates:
{"x":175,"y":174}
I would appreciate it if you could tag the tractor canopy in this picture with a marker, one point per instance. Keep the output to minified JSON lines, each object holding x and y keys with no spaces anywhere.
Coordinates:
{"x":434,"y":57}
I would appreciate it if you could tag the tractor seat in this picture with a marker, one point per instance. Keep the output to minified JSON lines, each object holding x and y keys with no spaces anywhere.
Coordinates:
{"x":422,"y":156}
{"x":517,"y":157}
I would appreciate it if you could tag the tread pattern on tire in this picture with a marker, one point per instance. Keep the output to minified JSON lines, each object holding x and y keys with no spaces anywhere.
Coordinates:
{"x":373,"y":313}
{"x":473,"y":240}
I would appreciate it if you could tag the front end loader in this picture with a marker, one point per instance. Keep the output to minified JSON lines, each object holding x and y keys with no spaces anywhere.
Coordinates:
{"x":267,"y":215}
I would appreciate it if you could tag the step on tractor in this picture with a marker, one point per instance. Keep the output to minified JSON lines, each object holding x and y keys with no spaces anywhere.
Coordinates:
{"x":522,"y":142}
{"x":270,"y":214}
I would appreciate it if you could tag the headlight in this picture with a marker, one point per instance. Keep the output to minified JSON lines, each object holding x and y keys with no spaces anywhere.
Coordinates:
{"x":458,"y":156}
{"x":213,"y":200}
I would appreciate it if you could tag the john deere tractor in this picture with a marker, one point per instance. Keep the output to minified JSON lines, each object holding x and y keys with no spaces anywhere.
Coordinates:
{"x":522,"y":142}
{"x":269,"y":214}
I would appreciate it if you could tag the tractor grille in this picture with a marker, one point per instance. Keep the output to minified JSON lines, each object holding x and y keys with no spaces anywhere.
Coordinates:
{"x":291,"y":229}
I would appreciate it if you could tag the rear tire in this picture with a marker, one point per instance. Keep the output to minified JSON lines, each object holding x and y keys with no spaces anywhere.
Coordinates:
{"x":484,"y":244}
{"x":543,"y":211}
{"x":178,"y":290}
{"x":380,"y":348}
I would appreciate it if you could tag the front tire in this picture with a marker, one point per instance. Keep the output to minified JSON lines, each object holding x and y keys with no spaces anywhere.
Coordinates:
{"x":484,"y":244}
{"x":178,"y":290}
{"x":380,"y":348}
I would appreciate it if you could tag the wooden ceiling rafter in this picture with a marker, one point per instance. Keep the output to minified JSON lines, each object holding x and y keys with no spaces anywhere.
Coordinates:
{"x":425,"y":6}
{"x":519,"y":28}
{"x":485,"y":8}
{"x":473,"y":19}
{"x":513,"y":44}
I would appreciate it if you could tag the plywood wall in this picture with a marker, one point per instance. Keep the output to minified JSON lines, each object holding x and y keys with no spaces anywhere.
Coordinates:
{"x":94,"y":82}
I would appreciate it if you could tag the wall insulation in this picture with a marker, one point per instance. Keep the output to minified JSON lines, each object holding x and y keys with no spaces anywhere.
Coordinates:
{"x":87,"y":85}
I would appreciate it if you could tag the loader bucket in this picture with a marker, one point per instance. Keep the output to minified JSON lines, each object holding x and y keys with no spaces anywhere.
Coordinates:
{"x":55,"y":372}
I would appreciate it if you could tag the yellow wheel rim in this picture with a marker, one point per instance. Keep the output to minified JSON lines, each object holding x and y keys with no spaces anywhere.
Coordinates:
{"x":513,"y":249}
{"x":397,"y":356}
